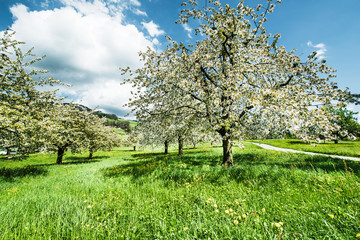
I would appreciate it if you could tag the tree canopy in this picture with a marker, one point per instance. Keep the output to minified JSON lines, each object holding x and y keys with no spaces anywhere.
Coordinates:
{"x":36,"y":120}
{"x":23,"y":105}
{"x":237,"y":77}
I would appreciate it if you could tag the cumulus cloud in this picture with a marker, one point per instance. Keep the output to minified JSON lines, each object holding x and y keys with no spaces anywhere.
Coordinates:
{"x":153,"y":29}
{"x":320,"y":49}
{"x":86,"y":43}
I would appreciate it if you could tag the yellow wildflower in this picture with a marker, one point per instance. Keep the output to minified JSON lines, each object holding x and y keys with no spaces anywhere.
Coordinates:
{"x":331,"y":215}
{"x":279,"y":224}
{"x":186,"y":228}
{"x":236,"y":222}
{"x":357,"y":235}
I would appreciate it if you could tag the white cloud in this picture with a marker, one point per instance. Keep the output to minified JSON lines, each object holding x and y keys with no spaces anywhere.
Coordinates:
{"x":320,"y":49}
{"x":86,"y":8}
{"x":85,"y":45}
{"x":107,"y":92}
{"x":45,"y":4}
{"x":153,"y":29}
{"x":135,"y":2}
{"x":155,"y":41}
{"x":188,"y":29}
{"x":140,"y":13}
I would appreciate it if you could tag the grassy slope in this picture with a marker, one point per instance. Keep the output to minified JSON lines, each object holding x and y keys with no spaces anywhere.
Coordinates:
{"x":132,"y":123}
{"x":146,"y":195}
{"x":342,"y":148}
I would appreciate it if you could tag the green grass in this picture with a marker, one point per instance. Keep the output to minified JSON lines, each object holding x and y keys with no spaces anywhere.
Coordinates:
{"x":132,"y":123}
{"x":343,"y":148}
{"x":145,"y":195}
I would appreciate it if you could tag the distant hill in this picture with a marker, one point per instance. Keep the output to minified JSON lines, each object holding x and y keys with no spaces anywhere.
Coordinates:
{"x":111,"y":119}
{"x":107,"y":115}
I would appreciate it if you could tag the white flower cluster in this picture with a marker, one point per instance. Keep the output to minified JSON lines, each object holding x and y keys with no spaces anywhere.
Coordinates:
{"x":237,"y":79}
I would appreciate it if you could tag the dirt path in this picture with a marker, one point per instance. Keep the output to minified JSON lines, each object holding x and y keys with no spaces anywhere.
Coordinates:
{"x":269,"y":147}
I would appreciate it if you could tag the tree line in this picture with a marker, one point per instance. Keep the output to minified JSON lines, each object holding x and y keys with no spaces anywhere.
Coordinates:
{"x":33,"y":120}
{"x":124,"y":125}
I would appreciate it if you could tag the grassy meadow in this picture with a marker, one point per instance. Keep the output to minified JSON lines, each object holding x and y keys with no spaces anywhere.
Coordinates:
{"x":343,"y":148}
{"x":124,"y":194}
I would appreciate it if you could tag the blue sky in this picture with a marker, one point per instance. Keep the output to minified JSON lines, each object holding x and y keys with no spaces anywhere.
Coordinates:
{"x":87,"y":41}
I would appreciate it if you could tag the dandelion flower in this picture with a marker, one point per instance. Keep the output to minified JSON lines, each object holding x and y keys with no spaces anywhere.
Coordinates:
{"x":89,"y":206}
{"x":331,"y":215}
{"x":279,"y":224}
{"x":209,"y":200}
{"x":215,"y":205}
{"x":186,"y":228}
{"x":227,"y":211}
{"x":357,"y":235}
{"x":236,"y":222}
{"x":263,"y":210}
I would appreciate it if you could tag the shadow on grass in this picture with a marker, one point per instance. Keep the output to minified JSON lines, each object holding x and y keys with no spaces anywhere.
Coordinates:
{"x":72,"y":161}
{"x":173,"y":155}
{"x":73,"y":158}
{"x":10,"y":174}
{"x":138,"y":156}
{"x":257,"y":166}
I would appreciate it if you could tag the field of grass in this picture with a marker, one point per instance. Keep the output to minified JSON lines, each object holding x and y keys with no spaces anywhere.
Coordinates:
{"x":146,"y":195}
{"x":343,"y":148}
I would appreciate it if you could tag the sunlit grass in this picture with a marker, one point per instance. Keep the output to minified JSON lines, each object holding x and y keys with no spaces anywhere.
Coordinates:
{"x":343,"y":148}
{"x":146,"y":195}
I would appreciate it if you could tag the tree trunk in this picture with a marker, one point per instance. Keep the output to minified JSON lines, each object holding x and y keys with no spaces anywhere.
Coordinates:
{"x":166,"y":143}
{"x":194,"y":145}
{"x":227,"y":152}
{"x":60,"y":155}
{"x":8,"y":151}
{"x":134,"y":148}
{"x":227,"y":147}
{"x":336,"y":141}
{"x":181,"y":144}
{"x":90,"y":155}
